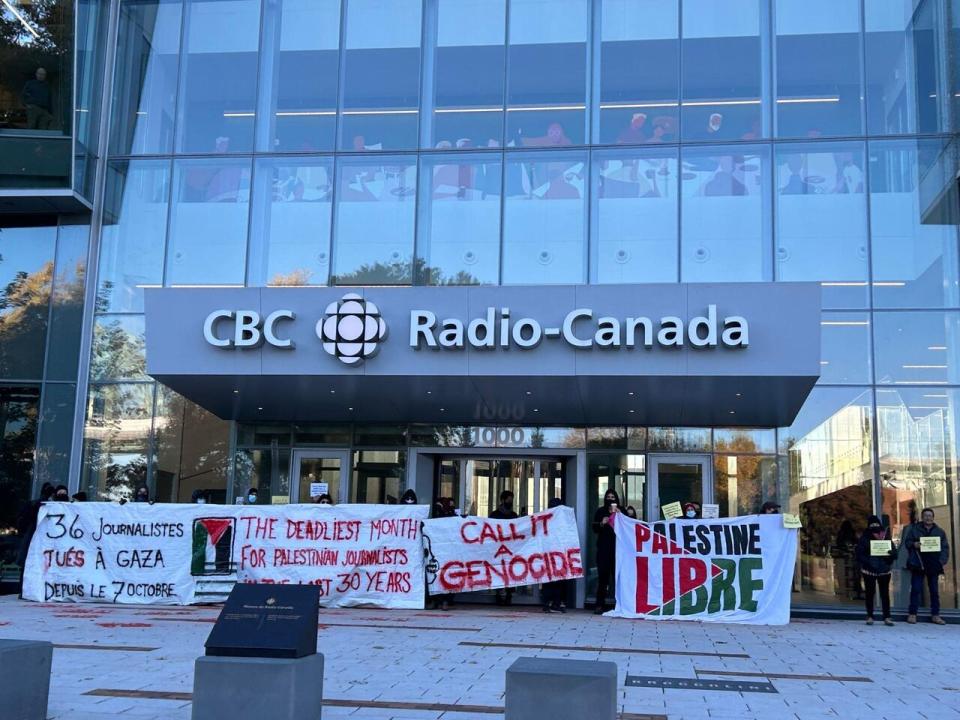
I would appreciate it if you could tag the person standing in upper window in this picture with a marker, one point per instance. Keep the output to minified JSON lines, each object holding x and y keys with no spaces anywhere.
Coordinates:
{"x":505,"y":511}
{"x":876,"y":569}
{"x":925,"y":560}
{"x":603,"y":520}
{"x":36,"y":96}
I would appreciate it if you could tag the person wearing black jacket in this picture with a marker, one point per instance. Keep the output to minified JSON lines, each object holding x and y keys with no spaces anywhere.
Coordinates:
{"x":27,"y":526}
{"x":606,"y":547}
{"x":553,"y":594}
{"x":925,"y":565}
{"x":505,"y":511}
{"x":876,"y":569}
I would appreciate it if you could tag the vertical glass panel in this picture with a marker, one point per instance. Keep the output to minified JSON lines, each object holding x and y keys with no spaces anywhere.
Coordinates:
{"x":818,"y":68}
{"x":381,"y":75}
{"x":547,"y":72}
{"x":119,"y":348}
{"x":133,"y":234}
{"x":675,"y":439}
{"x":26,"y":272}
{"x":191,"y":450}
{"x":468,"y":74}
{"x":218,"y":80}
{"x":373,"y":239}
{"x":459,"y":225}
{"x":743,"y":483}
{"x":639,"y":71}
{"x":606,"y":472}
{"x":726,"y":215}
{"x":544,"y":218}
{"x":822,"y":219}
{"x":679,"y":482}
{"x":447,"y":481}
{"x":322,"y":471}
{"x":36,"y":74}
{"x":31,"y":162}
{"x":913,"y":226}
{"x":208,"y":222}
{"x":266,"y":470}
{"x":91,"y":49}
{"x":830,"y":475}
{"x":18,"y":437}
{"x":377,"y":476}
{"x":904,"y":67}
{"x":290,"y":237}
{"x":917,"y":348}
{"x":918,"y":469}
{"x":634,"y":217}
{"x":298,"y":75}
{"x":845,"y":349}
{"x":56,"y":433}
{"x":145,"y":82}
{"x":66,"y":312}
{"x":722,"y":70}
{"x":115,"y":440}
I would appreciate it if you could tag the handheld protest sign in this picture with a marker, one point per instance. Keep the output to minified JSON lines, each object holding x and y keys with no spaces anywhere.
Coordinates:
{"x":672,"y":510}
{"x":930,"y":544}
{"x":879,"y":548}
{"x":791,"y":521}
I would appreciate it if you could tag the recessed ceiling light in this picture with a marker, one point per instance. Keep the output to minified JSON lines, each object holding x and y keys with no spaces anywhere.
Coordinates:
{"x":529,"y":393}
{"x":333,"y":392}
{"x":349,"y":408}
{"x":429,"y":392}
{"x":733,"y":412}
{"x":536,"y":409}
{"x":443,"y":409}
{"x":633,"y":411}
{"x":236,"y":392}
{"x":738,"y":394}
{"x":259,"y":408}
{"x":630,"y":393}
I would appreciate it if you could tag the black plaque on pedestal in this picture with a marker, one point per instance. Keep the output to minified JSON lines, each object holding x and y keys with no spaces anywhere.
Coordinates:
{"x":271,"y":621}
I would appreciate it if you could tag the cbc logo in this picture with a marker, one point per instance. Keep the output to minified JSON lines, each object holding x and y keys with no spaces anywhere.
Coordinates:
{"x":352,"y":329}
{"x":249,"y":329}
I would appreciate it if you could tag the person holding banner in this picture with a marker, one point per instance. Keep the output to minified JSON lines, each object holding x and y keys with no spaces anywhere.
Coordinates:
{"x":927,"y":553}
{"x":603,"y":520}
{"x":875,"y":554}
{"x":505,"y":511}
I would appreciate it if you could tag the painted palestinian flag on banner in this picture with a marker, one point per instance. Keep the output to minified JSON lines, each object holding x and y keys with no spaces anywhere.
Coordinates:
{"x":212,"y":550}
{"x":737,"y":570}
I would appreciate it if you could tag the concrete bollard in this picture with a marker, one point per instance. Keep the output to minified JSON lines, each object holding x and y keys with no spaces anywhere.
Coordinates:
{"x":251,"y":688}
{"x":559,"y":689}
{"x":25,"y":679}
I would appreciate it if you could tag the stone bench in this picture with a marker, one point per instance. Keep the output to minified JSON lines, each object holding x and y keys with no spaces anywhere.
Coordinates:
{"x":559,"y":689}
{"x":25,"y":679}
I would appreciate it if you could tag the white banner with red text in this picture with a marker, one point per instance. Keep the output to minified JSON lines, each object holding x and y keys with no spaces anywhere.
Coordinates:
{"x":173,"y":554}
{"x":735,"y":570}
{"x":475,"y":553}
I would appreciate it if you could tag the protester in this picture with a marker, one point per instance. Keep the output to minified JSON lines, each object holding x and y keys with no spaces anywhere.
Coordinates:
{"x":443,"y":507}
{"x":199,"y":497}
{"x":80,"y":496}
{"x":876,"y":569}
{"x":142,"y":495}
{"x":691,"y":510}
{"x":770,"y":508}
{"x":553,"y":594}
{"x":409,"y":497}
{"x":631,"y":512}
{"x":505,"y":511}
{"x":606,"y":547}
{"x":925,"y":565}
{"x":323,"y":499}
{"x":27,"y":526}
{"x":61,"y":494}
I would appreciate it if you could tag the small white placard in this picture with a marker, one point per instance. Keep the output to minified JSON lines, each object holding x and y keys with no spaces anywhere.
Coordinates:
{"x":710,"y":510}
{"x":318,"y":489}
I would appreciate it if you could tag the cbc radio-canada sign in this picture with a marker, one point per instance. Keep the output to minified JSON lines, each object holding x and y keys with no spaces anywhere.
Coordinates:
{"x":352,"y":330}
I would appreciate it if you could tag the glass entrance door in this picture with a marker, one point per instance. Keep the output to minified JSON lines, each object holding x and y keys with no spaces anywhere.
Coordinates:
{"x":678,"y":478}
{"x":316,"y":472}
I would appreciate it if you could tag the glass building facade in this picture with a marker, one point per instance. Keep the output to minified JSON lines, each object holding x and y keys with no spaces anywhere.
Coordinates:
{"x":500,"y":142}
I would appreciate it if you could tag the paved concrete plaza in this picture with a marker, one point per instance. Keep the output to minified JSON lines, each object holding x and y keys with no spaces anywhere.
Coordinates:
{"x":128,"y":661}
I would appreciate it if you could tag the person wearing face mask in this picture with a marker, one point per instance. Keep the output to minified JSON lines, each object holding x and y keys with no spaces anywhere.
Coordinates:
{"x":199,"y":497}
{"x":770,"y":508}
{"x":553,"y":595}
{"x":631,"y":512}
{"x":603,"y":520}
{"x":505,"y":511}
{"x":691,"y":511}
{"x":323,"y":499}
{"x":409,"y":497}
{"x":876,"y":570}
{"x":142,"y":495}
{"x":61,"y":494}
{"x":253,"y":496}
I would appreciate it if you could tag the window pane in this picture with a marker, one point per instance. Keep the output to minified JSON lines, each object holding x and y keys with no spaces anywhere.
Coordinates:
{"x":634,"y":234}
{"x":133,"y":234}
{"x":468,"y":74}
{"x":298,"y":77}
{"x":639,"y":71}
{"x":459,"y":226}
{"x":145,"y":86}
{"x":917,"y":348}
{"x":845,"y":349}
{"x":115,"y":440}
{"x":743,"y":483}
{"x":914,"y":232}
{"x":904,"y":67}
{"x":377,"y":476}
{"x":381,"y":77}
{"x":822,"y":219}
{"x":818,"y":68}
{"x":208,"y":222}
{"x":742,"y":440}
{"x":373,"y":240}
{"x":266,"y":470}
{"x":66,"y":312}
{"x":56,"y":433}
{"x":544,"y":218}
{"x":119,"y":348}
{"x":192,"y":450}
{"x":218,"y":85}
{"x":918,"y":466}
{"x":829,"y":473}
{"x":26,"y":271}
{"x":290,"y":240}
{"x":722,"y":96}
{"x":18,"y":436}
{"x":726,"y":215}
{"x":547,"y":72}
{"x":674,"y":439}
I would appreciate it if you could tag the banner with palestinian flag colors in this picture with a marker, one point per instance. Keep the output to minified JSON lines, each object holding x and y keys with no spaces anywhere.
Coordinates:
{"x":734,"y":570}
